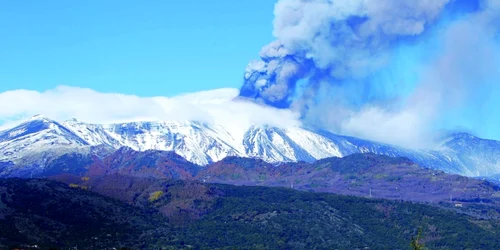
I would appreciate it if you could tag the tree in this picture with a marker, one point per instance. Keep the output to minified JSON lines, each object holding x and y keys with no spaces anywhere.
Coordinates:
{"x":415,"y":244}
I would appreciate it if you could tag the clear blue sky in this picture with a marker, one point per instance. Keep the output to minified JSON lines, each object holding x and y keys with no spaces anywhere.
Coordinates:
{"x":147,"y":48}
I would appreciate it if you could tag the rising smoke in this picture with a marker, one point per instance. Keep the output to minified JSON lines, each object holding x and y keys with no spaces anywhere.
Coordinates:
{"x":389,"y":70}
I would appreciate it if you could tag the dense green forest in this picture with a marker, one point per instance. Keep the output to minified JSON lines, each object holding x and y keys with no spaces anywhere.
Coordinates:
{"x":52,"y":214}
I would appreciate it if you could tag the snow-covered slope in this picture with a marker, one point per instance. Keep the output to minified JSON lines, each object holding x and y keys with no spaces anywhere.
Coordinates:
{"x":39,"y":134}
{"x":37,"y":141}
{"x":203,"y":143}
{"x":197,"y":142}
{"x":91,"y":133}
{"x":467,"y":150}
{"x":287,"y":144}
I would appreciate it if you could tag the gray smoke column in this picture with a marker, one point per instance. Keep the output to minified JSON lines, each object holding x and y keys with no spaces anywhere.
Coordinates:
{"x":395,"y":71}
{"x":331,"y":40}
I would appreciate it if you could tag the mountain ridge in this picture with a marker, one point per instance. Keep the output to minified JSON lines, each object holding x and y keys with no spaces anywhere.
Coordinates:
{"x":39,"y":140}
{"x":363,"y":175}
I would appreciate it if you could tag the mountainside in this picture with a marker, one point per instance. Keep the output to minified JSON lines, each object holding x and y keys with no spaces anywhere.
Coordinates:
{"x":34,"y":136}
{"x":365,"y":175}
{"x":146,"y":164}
{"x":197,"y":142}
{"x":51,"y":214}
{"x":472,"y":151}
{"x":32,"y":146}
{"x":37,"y":145}
{"x":190,"y":215}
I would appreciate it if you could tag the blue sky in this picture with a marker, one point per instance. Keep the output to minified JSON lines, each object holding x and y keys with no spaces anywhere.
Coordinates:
{"x":146,"y":49}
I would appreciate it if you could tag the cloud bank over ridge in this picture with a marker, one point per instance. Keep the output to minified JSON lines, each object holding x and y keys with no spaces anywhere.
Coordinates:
{"x":64,"y":103}
{"x":395,"y":71}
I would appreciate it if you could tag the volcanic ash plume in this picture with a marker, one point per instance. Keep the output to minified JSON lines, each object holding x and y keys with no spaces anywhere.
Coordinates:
{"x":345,"y":62}
{"x":334,"y":40}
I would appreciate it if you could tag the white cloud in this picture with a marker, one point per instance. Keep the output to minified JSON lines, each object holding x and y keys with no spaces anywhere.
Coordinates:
{"x":406,"y":128}
{"x":87,"y":105}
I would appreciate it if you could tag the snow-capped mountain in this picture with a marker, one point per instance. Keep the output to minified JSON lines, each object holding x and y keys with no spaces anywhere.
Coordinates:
{"x":37,"y":136}
{"x":473,"y":151}
{"x":197,"y":142}
{"x":203,"y":143}
{"x":39,"y":140}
